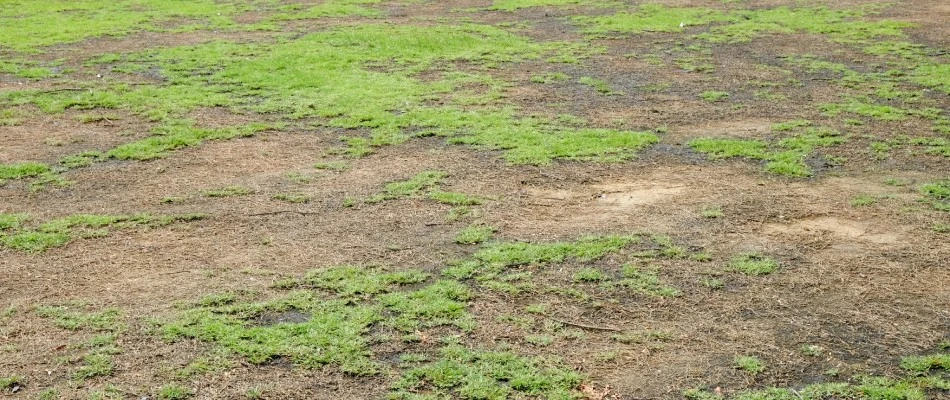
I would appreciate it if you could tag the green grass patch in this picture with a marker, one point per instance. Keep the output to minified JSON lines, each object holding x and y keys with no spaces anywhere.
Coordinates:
{"x":550,"y":77}
{"x":174,"y":391}
{"x":229,"y":191}
{"x":109,"y":320}
{"x":753,"y":264}
{"x":728,"y":148}
{"x":750,"y":364}
{"x":590,"y":275}
{"x":313,"y":330}
{"x":713,"y":96}
{"x":937,"y":194}
{"x":475,"y":234}
{"x":58,"y":232}
{"x":484,"y":374}
{"x":600,"y":85}
{"x":297,"y":198}
{"x":513,"y":5}
{"x":649,"y":18}
{"x":788,"y":156}
{"x":645,"y":282}
{"x":22,"y":170}
{"x":863,"y":200}
{"x":338,"y":166}
{"x":27,"y":26}
{"x":412,"y":187}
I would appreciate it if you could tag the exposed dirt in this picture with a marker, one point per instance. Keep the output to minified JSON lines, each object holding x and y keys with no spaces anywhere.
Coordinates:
{"x":867,"y":284}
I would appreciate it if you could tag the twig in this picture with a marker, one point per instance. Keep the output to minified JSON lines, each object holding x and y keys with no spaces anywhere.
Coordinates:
{"x":282,"y":212}
{"x":591,"y":327}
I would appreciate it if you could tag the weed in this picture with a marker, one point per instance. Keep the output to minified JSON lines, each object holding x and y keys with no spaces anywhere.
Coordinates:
{"x":714,"y":96}
{"x":753,"y":264}
{"x":750,"y":364}
{"x":475,"y":234}
{"x":254,"y":393}
{"x":230,"y":191}
{"x":292,"y":197}
{"x":941,"y":228}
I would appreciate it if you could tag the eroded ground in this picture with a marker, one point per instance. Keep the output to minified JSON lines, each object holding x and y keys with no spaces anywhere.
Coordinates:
{"x":558,"y":199}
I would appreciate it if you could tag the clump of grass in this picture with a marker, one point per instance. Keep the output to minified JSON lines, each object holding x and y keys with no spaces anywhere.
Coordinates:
{"x":441,"y":303}
{"x":923,"y":364}
{"x":713,"y":96}
{"x":94,"y":365}
{"x":788,"y":160}
{"x":812,"y":350}
{"x":58,"y":232}
{"x":67,"y":318}
{"x":83,"y":159}
{"x":475,"y":234}
{"x":174,"y":391}
{"x":540,"y":340}
{"x":589,"y":275}
{"x":937,"y":194}
{"x":22,"y":170}
{"x":550,"y":77}
{"x":292,"y":197}
{"x":863,"y":200}
{"x":423,"y":181}
{"x":483,"y":374}
{"x":650,"y":18}
{"x":337,"y":166}
{"x":229,"y":191}
{"x":750,"y":364}
{"x":712,"y":212}
{"x":10,"y":381}
{"x":454,"y":198}
{"x":351,"y":280}
{"x":646,"y":282}
{"x":753,"y":264}
{"x":600,"y":85}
